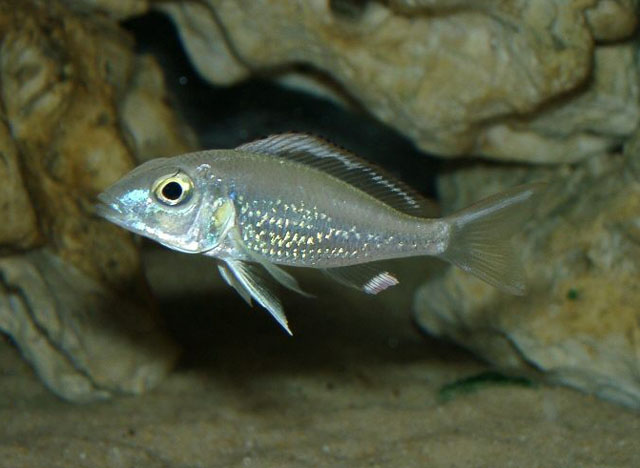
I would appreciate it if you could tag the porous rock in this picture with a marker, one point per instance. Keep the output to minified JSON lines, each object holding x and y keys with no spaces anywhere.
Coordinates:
{"x":72,"y":296}
{"x":117,"y":9}
{"x":84,"y":341}
{"x":458,"y":77}
{"x":531,"y":81}
{"x":579,"y":324}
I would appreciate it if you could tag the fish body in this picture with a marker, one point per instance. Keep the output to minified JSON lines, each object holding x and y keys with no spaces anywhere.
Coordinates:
{"x":291,"y":214}
{"x":296,"y":200}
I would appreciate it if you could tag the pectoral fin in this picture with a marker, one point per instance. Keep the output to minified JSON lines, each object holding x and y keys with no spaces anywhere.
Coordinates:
{"x":251,"y":282}
{"x":232,"y":281}
{"x":363,"y":277}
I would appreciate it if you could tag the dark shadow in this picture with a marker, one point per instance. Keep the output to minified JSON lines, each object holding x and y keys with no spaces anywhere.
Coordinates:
{"x":223,"y":335}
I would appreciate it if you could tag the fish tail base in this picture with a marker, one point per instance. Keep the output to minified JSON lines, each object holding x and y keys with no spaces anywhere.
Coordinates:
{"x":480,"y":237}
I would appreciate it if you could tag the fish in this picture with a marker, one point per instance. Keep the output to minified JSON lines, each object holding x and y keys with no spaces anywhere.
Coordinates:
{"x":296,"y":200}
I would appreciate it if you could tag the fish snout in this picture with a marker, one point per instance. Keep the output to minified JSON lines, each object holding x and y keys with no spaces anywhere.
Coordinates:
{"x":108,"y":207}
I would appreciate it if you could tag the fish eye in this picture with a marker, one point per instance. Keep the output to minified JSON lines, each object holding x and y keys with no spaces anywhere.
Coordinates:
{"x":174,"y":189}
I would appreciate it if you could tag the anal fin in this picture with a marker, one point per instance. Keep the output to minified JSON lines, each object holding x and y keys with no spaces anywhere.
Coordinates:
{"x":364,"y":277}
{"x":232,"y":281}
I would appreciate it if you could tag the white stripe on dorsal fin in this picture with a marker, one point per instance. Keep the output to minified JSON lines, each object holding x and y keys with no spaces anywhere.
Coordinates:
{"x":340,"y":163}
{"x":364,"y":277}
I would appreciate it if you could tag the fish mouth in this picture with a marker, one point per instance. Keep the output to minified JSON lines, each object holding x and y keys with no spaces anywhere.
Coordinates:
{"x":108,"y":208}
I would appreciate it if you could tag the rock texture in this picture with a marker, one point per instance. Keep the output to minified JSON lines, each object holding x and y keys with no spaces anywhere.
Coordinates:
{"x":579,"y":324}
{"x":535,"y":81}
{"x":67,"y":84}
{"x":117,"y":9}
{"x":546,"y":81}
{"x":84,"y":342}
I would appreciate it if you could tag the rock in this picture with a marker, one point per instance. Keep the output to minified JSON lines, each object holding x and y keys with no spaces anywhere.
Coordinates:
{"x":612,"y":20}
{"x":67,"y":82}
{"x":82,"y":340}
{"x":569,"y":133}
{"x":457,"y":77}
{"x":19,"y":229}
{"x":578,"y":325}
{"x":117,"y":9}
{"x":535,"y":82}
{"x":150,"y":124}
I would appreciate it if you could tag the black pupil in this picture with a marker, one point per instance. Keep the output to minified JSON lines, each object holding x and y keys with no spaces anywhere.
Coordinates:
{"x":172,"y":191}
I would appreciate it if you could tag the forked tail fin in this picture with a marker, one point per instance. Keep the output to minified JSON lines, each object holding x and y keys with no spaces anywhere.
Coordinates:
{"x":480,"y":239}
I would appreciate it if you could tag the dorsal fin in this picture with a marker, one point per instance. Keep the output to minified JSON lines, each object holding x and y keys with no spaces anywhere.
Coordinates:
{"x":340,"y":163}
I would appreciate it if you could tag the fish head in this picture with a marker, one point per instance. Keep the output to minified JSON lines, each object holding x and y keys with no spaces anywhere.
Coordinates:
{"x":167,"y":200}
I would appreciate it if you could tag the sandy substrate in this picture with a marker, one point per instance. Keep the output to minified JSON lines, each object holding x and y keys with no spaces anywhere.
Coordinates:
{"x":357,"y":386}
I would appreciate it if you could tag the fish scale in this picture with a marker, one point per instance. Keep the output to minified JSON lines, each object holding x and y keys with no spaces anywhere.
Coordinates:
{"x":294,"y":234}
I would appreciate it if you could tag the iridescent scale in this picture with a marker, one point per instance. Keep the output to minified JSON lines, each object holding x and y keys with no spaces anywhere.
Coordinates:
{"x":299,"y":234}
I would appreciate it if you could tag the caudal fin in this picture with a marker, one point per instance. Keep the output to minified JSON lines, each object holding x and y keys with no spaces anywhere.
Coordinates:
{"x":480,"y":240}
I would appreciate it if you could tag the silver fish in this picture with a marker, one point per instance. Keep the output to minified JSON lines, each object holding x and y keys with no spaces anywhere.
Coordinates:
{"x":299,"y":201}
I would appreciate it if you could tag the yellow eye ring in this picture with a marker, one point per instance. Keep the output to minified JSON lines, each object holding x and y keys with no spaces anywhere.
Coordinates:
{"x":174,"y":189}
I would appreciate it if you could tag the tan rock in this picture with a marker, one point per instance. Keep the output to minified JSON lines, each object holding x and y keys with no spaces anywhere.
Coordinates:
{"x":609,"y":20}
{"x":532,"y":81}
{"x":19,"y":228}
{"x":206,"y":42}
{"x":118,"y":9}
{"x":457,"y":77}
{"x":612,"y":20}
{"x":149,"y":124}
{"x":84,"y":342}
{"x":579,"y":323}
{"x":66,"y":81}
{"x":570,"y":132}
